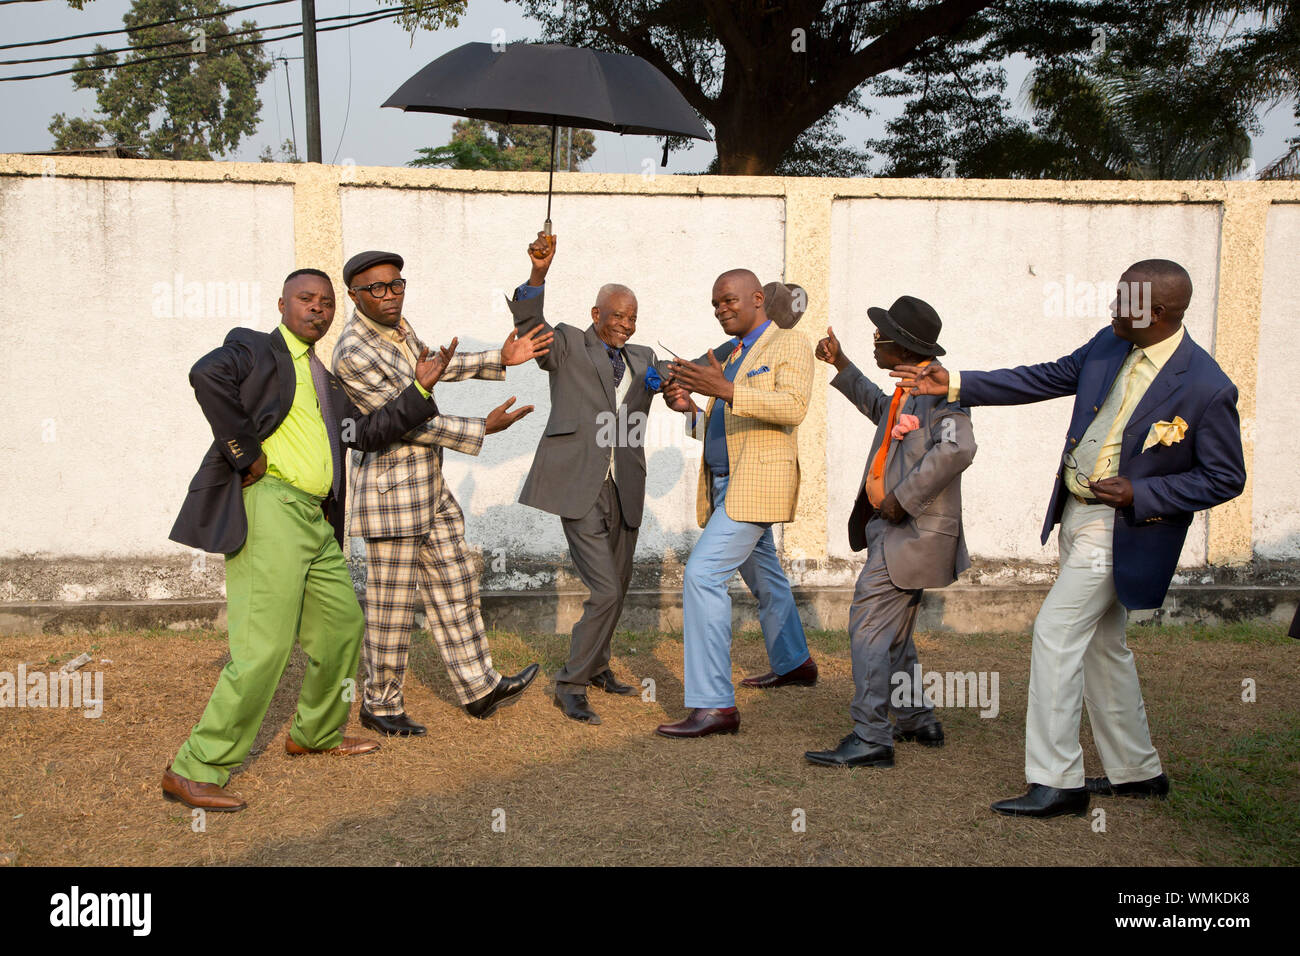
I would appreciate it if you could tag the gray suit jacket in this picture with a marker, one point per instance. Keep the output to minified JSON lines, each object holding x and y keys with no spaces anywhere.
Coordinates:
{"x":573,"y":455}
{"x":923,"y":470}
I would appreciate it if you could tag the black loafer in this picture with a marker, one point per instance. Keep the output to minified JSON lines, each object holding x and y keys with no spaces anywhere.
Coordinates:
{"x":931,"y":736}
{"x":1157,"y":787}
{"x":1041,"y":801}
{"x":507,"y":691}
{"x":605,"y":681}
{"x":396,"y":725}
{"x":575,"y":707}
{"x":853,"y":751}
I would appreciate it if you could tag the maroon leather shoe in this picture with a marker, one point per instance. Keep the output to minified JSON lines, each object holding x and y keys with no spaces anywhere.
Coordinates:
{"x":702,"y":722}
{"x":805,"y":675}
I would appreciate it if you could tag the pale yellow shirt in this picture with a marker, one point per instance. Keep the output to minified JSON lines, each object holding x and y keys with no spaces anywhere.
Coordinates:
{"x":398,"y":336}
{"x":1136,"y":375}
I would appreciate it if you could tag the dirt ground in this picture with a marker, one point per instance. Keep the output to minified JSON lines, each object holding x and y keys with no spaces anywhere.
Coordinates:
{"x":529,"y":787}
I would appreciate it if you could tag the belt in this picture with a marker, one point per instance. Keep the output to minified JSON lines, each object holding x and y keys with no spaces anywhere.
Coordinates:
{"x":1085,"y":501}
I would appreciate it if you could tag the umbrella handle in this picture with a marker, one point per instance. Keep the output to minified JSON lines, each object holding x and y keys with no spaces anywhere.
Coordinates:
{"x":546,"y":227}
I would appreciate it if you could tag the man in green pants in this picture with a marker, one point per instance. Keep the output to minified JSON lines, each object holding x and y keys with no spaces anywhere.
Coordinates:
{"x":269,"y":496}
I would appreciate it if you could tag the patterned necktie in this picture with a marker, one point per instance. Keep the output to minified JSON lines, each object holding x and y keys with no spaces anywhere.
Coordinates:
{"x":321,"y":381}
{"x":616,"y":358}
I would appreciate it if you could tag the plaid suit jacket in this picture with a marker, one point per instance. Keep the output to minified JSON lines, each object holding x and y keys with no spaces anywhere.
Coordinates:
{"x":395,"y":491}
{"x":762,"y":430}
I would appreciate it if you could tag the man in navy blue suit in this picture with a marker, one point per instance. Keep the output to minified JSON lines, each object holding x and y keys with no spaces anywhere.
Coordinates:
{"x":1154,"y":438}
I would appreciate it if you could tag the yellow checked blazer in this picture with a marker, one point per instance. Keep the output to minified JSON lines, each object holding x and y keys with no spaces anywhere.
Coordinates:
{"x":395,"y":491}
{"x":772,"y":388}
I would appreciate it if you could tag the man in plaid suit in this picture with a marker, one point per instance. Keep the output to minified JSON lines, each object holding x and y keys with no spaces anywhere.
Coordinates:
{"x":749,"y":479}
{"x":413,"y":527}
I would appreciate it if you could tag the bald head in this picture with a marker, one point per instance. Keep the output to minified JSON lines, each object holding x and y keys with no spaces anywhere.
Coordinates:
{"x":1150,"y":302}
{"x":738,"y":302}
{"x":614,"y":314}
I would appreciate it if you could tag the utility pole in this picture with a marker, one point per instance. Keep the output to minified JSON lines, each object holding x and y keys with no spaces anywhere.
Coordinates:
{"x":311,"y":79}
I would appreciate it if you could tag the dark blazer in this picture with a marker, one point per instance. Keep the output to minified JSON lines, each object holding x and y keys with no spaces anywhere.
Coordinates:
{"x":245,"y":389}
{"x":571,"y":462}
{"x":923,"y":471}
{"x":1170,"y":482}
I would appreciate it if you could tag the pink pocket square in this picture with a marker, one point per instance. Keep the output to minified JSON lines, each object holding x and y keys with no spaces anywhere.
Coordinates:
{"x":906,"y":423}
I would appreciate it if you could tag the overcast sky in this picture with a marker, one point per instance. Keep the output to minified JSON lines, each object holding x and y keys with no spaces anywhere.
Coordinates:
{"x":359,"y":69}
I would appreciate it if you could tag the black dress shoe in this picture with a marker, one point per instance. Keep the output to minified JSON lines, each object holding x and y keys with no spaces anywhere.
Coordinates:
{"x":575,"y":707}
{"x":1041,"y":801}
{"x":507,"y":691}
{"x":606,"y":681}
{"x":931,"y":736}
{"x":1157,"y":787}
{"x":853,"y":751}
{"x":397,"y":725}
{"x":703,"y":721}
{"x":805,"y":675}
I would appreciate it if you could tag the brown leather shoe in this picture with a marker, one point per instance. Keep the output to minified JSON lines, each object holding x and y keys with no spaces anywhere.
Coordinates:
{"x":350,"y":747}
{"x":203,"y":796}
{"x":702,"y":722}
{"x":805,"y":675}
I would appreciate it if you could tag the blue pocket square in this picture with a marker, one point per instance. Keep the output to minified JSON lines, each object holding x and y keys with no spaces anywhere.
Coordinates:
{"x":758,"y":371}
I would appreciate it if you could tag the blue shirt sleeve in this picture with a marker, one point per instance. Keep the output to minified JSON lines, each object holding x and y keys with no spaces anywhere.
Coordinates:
{"x":527,"y":291}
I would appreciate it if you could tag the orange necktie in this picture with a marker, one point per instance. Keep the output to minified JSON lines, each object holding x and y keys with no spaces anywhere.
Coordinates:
{"x":875,"y":486}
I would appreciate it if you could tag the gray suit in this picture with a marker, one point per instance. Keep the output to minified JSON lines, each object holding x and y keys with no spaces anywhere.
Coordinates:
{"x":570,"y":476}
{"x":927,"y":550}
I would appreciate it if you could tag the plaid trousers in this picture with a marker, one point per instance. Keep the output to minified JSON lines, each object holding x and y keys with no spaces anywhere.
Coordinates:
{"x":441,"y":562}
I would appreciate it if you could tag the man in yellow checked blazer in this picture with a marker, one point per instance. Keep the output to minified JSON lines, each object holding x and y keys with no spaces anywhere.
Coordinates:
{"x":414,"y":529}
{"x":749,"y":480}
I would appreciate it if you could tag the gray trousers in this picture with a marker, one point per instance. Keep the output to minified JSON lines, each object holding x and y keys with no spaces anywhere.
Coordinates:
{"x":881,"y":621}
{"x":602,"y":547}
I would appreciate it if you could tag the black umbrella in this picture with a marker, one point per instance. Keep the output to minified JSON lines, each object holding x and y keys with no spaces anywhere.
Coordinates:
{"x":546,"y":84}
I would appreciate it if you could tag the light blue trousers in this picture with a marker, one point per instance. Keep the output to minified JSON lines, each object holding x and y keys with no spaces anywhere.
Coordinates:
{"x":725,"y":547}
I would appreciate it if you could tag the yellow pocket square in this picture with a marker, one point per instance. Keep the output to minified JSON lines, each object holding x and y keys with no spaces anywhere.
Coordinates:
{"x":1165,"y":433}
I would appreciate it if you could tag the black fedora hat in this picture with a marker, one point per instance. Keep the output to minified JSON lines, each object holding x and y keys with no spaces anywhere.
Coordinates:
{"x":912,"y":323}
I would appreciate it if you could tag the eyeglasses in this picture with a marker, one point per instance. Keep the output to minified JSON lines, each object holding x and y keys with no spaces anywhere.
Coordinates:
{"x":1072,"y":464}
{"x":879,"y":340}
{"x":377,"y":288}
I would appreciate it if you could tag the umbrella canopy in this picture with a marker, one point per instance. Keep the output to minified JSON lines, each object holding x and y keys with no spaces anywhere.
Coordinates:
{"x":547,"y":84}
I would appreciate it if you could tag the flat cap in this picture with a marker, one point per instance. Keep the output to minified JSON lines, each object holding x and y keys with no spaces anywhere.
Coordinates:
{"x":364,"y":260}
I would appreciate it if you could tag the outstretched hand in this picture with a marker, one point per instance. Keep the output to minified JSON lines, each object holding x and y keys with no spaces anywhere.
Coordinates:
{"x":534,"y":343}
{"x":829,"y":351}
{"x":704,"y":379}
{"x":931,"y":379}
{"x":429,"y":370}
{"x":501,"y":418}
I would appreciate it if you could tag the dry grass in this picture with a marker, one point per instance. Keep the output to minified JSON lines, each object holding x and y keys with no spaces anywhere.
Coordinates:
{"x":79,"y":791}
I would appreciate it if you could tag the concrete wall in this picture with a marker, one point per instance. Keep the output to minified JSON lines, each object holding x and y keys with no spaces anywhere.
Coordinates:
{"x":142,"y":266}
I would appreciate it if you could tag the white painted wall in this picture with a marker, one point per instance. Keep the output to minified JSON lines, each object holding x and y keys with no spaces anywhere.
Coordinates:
{"x":105,"y":310}
{"x":1007,"y":279}
{"x":1276,"y":505}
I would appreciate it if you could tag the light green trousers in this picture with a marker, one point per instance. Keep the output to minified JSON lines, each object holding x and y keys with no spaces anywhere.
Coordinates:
{"x":288,"y":582}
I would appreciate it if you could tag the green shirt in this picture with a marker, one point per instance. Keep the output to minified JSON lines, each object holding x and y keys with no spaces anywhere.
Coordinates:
{"x":299,"y":450}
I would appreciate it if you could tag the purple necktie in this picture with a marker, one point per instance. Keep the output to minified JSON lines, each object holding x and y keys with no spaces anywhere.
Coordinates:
{"x":322,"y":383}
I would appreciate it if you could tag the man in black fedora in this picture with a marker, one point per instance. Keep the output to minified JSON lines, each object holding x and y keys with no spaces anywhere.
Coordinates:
{"x":908,"y":517}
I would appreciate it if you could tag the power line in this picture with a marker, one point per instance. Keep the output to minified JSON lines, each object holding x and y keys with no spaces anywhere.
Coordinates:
{"x":184,"y":39}
{"x":142,"y":26}
{"x":188,"y":53}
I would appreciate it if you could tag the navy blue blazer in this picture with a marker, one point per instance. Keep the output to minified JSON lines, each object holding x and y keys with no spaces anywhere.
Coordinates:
{"x":245,"y":389}
{"x":1170,"y":482}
